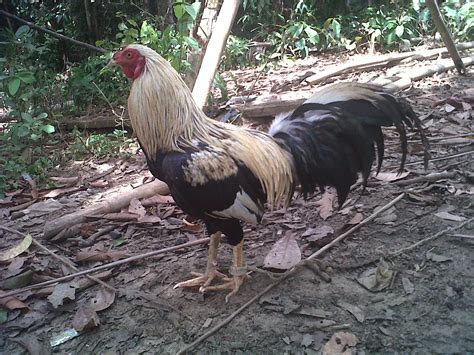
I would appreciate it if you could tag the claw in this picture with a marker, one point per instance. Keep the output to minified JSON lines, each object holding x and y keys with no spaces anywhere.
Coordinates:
{"x":202,"y":280}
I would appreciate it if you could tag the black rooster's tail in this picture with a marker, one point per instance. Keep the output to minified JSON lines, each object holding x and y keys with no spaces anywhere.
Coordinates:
{"x":331,"y":136}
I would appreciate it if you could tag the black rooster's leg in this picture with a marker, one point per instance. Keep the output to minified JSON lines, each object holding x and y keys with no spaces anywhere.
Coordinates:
{"x":238,"y":271}
{"x":211,"y":272}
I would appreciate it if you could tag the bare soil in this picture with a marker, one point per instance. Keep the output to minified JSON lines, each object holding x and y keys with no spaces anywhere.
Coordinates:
{"x":426,"y":304}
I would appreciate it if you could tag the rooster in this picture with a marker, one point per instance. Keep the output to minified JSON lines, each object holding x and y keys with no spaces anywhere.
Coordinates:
{"x":226,"y":174}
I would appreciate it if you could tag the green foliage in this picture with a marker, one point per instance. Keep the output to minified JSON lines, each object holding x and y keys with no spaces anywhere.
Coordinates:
{"x":98,"y":144}
{"x":459,"y":18}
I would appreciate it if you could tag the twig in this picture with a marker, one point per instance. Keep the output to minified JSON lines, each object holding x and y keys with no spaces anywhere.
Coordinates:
{"x":463,"y":236}
{"x":437,"y":235}
{"x":106,"y":266}
{"x":285,"y":276}
{"x":52,"y":33}
{"x":57,"y":257}
{"x":427,"y":178}
{"x":446,"y":157}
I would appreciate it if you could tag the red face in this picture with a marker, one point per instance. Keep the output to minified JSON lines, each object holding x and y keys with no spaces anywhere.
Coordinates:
{"x":131,"y":62}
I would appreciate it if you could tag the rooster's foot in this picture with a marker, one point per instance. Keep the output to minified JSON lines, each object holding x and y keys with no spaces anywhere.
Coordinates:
{"x":202,"y":280}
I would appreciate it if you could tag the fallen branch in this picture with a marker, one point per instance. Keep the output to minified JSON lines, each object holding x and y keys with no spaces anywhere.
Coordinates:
{"x":52,"y":33}
{"x":386,"y":60}
{"x":446,"y":157}
{"x":112,"y":204}
{"x":105,"y":266}
{"x":437,"y":235}
{"x":286,"y":275}
{"x":427,"y":178}
{"x":63,"y":260}
{"x":268,"y":106}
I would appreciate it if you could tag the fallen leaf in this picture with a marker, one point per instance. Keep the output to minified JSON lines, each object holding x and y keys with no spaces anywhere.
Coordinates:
{"x":358,"y":217}
{"x":58,"y":192}
{"x":389,"y":177}
{"x":136,"y":207}
{"x":339,"y":344}
{"x":62,"y":292}
{"x":437,"y":258}
{"x":376,"y":279}
{"x":63,"y":337}
{"x":407,"y":285}
{"x":149,"y":219}
{"x":12,"y":303}
{"x":449,"y":108}
{"x":284,"y":254}
{"x":41,"y":208}
{"x":104,"y":298}
{"x":450,"y":217}
{"x":17,"y":249}
{"x":307,"y":340}
{"x":157,"y":200}
{"x":85,"y":318}
{"x":325,"y":203}
{"x":15,"y":267}
{"x":31,"y":343}
{"x":354,"y":310}
{"x":314,"y":234}
{"x":387,"y":217}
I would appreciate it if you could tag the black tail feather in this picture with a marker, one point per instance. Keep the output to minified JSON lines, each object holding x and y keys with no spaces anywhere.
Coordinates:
{"x":331,"y":137}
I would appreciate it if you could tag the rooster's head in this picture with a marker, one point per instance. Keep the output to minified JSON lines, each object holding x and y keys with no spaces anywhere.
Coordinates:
{"x":131,"y":60}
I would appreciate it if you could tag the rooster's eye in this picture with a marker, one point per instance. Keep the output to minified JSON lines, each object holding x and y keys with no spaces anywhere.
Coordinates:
{"x":129,"y":55}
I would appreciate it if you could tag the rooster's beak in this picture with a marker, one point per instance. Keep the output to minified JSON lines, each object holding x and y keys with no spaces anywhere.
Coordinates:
{"x":111,"y":63}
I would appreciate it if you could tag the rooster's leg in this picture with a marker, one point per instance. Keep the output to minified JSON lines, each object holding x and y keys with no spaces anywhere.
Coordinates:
{"x":238,"y":271}
{"x":211,"y":273}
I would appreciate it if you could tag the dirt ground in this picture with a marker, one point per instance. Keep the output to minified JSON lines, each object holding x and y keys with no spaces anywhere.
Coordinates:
{"x":376,"y":291}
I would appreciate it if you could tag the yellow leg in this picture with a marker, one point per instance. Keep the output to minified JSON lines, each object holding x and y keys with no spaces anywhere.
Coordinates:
{"x":238,"y":271}
{"x":211,"y":273}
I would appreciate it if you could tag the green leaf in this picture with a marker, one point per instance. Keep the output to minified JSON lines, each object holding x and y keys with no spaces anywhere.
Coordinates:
{"x":48,"y":128}
{"x":13,"y":86}
{"x":21,"y":31}
{"x":193,"y":9}
{"x":336,"y":27}
{"x":23,"y":130}
{"x":313,"y":36}
{"x":26,"y":117}
{"x":178,"y":11}
{"x":3,"y":315}
{"x":26,"y":76}
{"x":390,"y":38}
{"x":42,"y":116}
{"x":399,"y":30}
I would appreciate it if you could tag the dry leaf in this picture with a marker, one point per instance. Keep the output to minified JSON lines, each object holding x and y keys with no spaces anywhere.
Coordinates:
{"x":17,"y":249}
{"x":325,"y":204}
{"x":450,"y":217}
{"x":358,"y":217}
{"x":157,"y":200}
{"x":315,"y":234}
{"x":407,"y":285}
{"x":389,"y":177}
{"x":85,"y":318}
{"x":340,"y":343}
{"x":354,"y":310}
{"x":62,"y":292}
{"x":437,"y":258}
{"x":284,"y":254}
{"x":136,"y":207}
{"x":15,"y":267}
{"x":31,"y":343}
{"x":12,"y":303}
{"x":104,"y":298}
{"x":149,"y":219}
{"x":376,"y":279}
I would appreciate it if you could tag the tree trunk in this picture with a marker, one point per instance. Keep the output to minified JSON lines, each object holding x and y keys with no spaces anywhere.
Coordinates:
{"x":445,"y":35}
{"x":214,"y":50}
{"x":91,"y":19}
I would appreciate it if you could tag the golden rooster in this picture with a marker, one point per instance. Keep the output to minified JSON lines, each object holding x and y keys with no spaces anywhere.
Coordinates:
{"x":224,"y":174}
